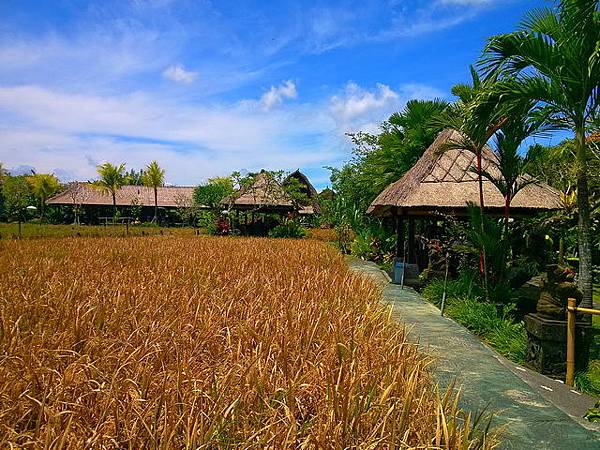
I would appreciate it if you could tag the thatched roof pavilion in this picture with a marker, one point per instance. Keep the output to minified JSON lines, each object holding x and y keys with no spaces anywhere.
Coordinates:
{"x":443,"y":182}
{"x":86,"y":194}
{"x":267,"y":195}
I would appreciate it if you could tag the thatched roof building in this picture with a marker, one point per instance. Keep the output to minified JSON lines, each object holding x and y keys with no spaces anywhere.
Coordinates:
{"x":87,"y":194}
{"x":443,"y":181}
{"x":266,"y":194}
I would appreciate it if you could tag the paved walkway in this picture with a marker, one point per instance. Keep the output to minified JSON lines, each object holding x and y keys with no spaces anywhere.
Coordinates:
{"x":487,"y":380}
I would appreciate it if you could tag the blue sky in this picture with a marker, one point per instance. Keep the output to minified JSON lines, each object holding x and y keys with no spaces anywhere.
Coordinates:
{"x":208,"y":87}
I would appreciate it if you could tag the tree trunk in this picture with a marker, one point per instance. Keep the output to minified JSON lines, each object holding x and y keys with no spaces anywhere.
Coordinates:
{"x":42,"y":209}
{"x":482,"y":255}
{"x":114,"y":197}
{"x":585,"y":236}
{"x":506,"y":214}
{"x":155,"y":219}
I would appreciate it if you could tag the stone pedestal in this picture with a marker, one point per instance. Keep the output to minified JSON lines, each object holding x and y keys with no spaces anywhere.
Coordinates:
{"x":547,"y":345}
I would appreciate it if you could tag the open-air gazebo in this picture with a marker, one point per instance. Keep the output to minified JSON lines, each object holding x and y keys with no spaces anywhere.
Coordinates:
{"x":442,"y":183}
{"x":267,"y":195}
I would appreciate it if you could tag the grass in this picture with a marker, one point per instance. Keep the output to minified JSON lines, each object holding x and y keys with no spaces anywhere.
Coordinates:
{"x":589,"y":381}
{"x":506,"y":336}
{"x":201,"y":342}
{"x":463,"y":304}
{"x":33,"y":230}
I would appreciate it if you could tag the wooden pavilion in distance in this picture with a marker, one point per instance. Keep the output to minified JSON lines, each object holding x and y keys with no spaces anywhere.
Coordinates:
{"x":442,"y":183}
{"x":268,"y":196}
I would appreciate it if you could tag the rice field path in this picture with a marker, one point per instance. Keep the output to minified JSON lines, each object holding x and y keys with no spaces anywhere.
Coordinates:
{"x":487,"y":380}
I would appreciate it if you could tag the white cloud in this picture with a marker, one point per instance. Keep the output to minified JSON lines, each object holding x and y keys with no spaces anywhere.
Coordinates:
{"x":55,"y":130}
{"x":276,"y":94}
{"x":66,"y":133}
{"x":357,"y":108}
{"x":179,"y":74}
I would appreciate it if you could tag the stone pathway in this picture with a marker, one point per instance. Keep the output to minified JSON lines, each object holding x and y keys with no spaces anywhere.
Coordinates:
{"x":487,"y":380}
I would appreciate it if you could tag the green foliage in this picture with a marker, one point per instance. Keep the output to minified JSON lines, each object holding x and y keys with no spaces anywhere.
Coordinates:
{"x":153,"y":175}
{"x":214,"y":192}
{"x":553,"y":59}
{"x":485,"y":233}
{"x":17,"y":196}
{"x":593,"y":414}
{"x":466,"y":285}
{"x":373,"y":243}
{"x":135,"y":177}
{"x":464,"y":305}
{"x":380,"y":159}
{"x":43,"y":186}
{"x":111,"y":179}
{"x":288,"y":229}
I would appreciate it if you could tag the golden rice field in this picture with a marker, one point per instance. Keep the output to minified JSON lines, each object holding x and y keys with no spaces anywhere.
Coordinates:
{"x":203,"y":343}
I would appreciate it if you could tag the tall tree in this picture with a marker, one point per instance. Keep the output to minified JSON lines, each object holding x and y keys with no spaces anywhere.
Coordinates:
{"x":154,"y":177}
{"x":43,"y":186}
{"x":112,"y":178}
{"x":507,"y":171}
{"x":476,"y":115}
{"x":16,"y":194}
{"x":555,"y":58}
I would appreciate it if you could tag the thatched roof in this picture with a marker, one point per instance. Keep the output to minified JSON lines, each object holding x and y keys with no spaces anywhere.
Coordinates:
{"x":88,"y":194}
{"x":267,"y":194}
{"x":309,"y":190}
{"x":443,"y":181}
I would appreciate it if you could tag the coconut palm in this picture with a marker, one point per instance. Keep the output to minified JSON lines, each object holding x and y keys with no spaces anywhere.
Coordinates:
{"x":154,"y":177}
{"x":112,"y":178}
{"x":43,"y":186}
{"x":555,"y":59}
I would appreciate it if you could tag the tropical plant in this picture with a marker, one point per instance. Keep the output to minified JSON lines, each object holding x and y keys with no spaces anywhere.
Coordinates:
{"x":214,"y":192}
{"x":43,"y":186}
{"x":154,"y":177}
{"x":554,"y":59}
{"x":477,"y":115}
{"x":135,"y":177}
{"x":16,"y":193}
{"x":112,"y":178}
{"x":507,"y":171}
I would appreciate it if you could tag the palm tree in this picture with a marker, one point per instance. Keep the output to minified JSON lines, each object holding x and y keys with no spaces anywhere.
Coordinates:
{"x":43,"y":186}
{"x":154,"y":177}
{"x":507,"y":171}
{"x":476,"y":115}
{"x":112,"y":178}
{"x":555,"y":59}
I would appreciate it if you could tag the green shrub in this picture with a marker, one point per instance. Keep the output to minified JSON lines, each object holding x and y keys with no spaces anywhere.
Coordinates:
{"x":373,"y":244}
{"x":500,"y":332}
{"x":464,"y":286}
{"x":288,"y":229}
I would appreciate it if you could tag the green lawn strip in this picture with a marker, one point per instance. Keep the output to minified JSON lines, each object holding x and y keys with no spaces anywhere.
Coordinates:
{"x":499,"y":331}
{"x":506,"y":336}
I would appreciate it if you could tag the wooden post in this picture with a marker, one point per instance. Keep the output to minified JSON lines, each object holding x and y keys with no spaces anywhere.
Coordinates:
{"x":411,"y":240}
{"x":571,"y":312}
{"x":399,"y":235}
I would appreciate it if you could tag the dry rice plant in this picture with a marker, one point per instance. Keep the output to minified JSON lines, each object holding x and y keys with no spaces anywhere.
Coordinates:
{"x":193,"y":342}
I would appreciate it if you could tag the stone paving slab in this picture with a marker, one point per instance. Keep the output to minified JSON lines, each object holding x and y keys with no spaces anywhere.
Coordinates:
{"x":531,"y":421}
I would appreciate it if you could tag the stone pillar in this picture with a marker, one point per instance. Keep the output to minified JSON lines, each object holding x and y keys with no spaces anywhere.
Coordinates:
{"x":547,"y":345}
